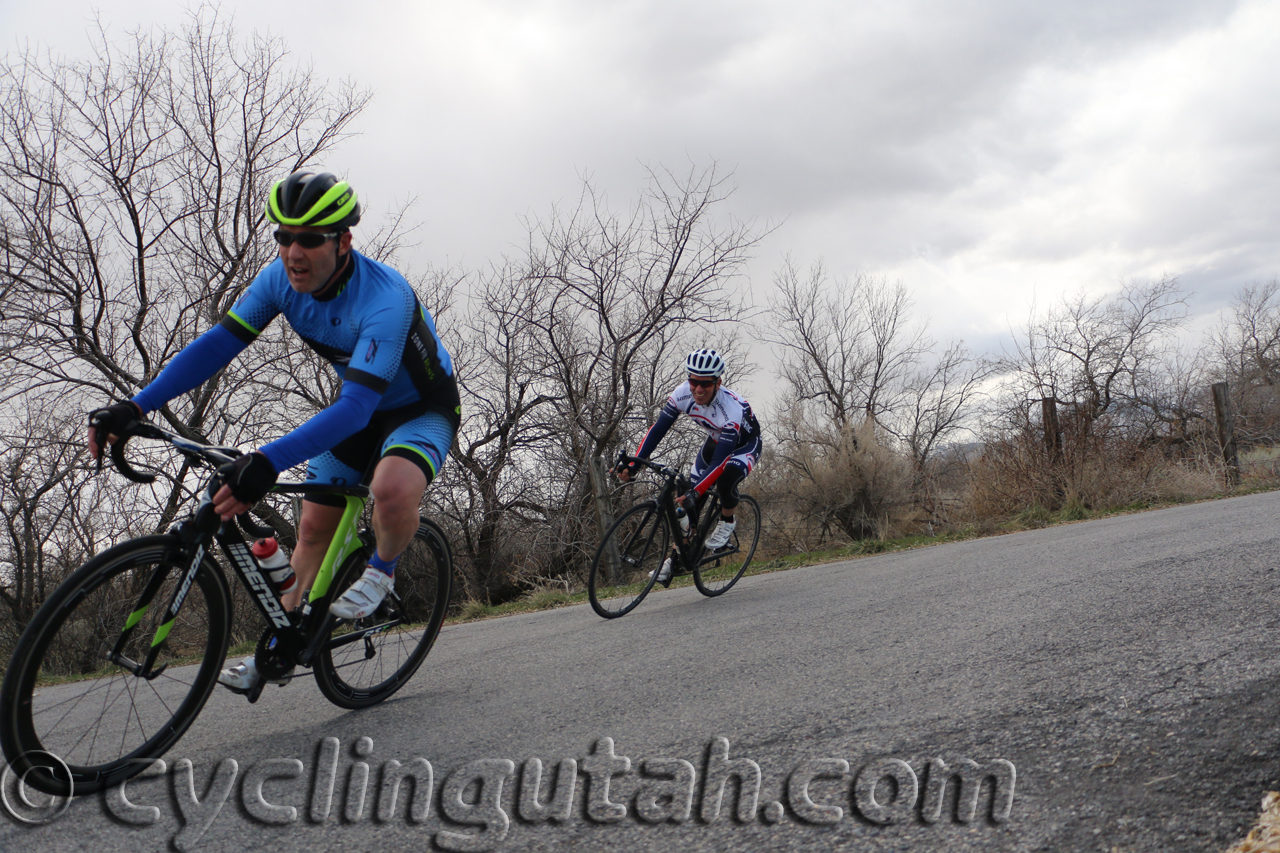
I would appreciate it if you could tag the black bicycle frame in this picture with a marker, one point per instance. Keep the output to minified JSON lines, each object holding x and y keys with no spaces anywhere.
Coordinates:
{"x":303,"y":636}
{"x":302,"y":641}
{"x":677,"y":483}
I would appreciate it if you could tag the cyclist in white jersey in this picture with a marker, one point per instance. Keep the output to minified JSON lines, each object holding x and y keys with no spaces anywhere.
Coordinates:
{"x":732,"y":448}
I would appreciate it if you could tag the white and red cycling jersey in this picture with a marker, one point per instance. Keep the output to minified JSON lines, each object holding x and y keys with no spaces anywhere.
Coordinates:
{"x":733,"y":433}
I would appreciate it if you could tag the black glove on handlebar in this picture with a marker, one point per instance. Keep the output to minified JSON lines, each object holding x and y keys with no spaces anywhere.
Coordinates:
{"x":628,"y":466}
{"x":249,"y":477}
{"x":114,"y":419}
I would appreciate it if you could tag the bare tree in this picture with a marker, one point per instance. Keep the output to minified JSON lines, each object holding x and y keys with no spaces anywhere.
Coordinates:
{"x":857,"y":365}
{"x":1090,"y":353}
{"x":613,"y":302}
{"x":508,"y":420}
{"x":1107,"y":368}
{"x":1244,"y":350}
{"x":848,"y":345}
{"x":131,"y":199}
{"x":132,"y":189}
{"x":43,"y":522}
{"x":940,"y":403}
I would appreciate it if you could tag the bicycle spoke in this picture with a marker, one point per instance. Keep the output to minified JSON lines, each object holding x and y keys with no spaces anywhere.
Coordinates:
{"x":718,"y":571}
{"x":408,"y":623}
{"x":627,"y":561}
{"x":96,"y":717}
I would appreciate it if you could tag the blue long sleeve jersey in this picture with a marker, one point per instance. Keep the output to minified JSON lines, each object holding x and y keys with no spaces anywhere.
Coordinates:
{"x":728,"y":421}
{"x":370,"y":328}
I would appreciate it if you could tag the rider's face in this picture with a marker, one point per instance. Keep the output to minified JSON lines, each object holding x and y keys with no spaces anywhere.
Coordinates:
{"x":310,"y":269}
{"x":703,"y":393}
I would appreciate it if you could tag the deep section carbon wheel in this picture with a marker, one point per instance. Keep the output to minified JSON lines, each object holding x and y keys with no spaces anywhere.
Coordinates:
{"x":75,"y":688}
{"x":365,"y":661}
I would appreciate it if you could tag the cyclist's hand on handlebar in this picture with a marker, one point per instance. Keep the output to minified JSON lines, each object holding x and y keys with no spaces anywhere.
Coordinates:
{"x":688,"y":500}
{"x":246,"y":481}
{"x":626,"y":469}
{"x":108,"y":422}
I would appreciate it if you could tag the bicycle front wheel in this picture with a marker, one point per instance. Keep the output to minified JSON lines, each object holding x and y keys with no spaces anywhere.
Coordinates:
{"x":719,"y":570}
{"x":64,"y":696}
{"x":366,"y":661}
{"x":626,"y":564}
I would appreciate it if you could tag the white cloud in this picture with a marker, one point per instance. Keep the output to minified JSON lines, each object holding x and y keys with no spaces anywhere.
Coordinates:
{"x":978,"y":151}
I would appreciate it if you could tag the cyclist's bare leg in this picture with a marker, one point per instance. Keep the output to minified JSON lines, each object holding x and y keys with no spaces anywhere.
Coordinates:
{"x":315,"y":531}
{"x":397,"y":489}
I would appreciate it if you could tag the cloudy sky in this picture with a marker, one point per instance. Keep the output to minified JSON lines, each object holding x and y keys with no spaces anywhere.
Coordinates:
{"x":984,"y":153}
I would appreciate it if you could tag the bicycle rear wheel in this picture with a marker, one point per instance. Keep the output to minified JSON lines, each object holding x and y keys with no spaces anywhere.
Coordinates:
{"x":62,"y":696}
{"x":366,"y":661}
{"x":626,"y":564}
{"x":719,"y":570}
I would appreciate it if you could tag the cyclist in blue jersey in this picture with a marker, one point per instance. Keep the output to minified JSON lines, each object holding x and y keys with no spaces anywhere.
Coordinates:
{"x":731,"y":450}
{"x":395,"y":417}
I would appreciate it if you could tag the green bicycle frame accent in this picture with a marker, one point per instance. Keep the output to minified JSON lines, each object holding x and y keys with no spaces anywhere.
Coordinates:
{"x":136,"y":616}
{"x":162,"y":632}
{"x":345,"y":541}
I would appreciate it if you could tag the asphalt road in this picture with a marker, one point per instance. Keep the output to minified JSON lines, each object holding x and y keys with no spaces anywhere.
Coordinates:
{"x":1128,"y":669}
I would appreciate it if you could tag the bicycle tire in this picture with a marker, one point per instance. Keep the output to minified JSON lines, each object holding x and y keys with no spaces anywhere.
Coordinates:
{"x":642,"y":539}
{"x":366,"y":672}
{"x":717,"y":572}
{"x":59,"y":676}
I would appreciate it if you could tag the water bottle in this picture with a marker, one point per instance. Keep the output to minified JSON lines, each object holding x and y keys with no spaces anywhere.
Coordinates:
{"x":683,"y":518}
{"x":274,"y":559}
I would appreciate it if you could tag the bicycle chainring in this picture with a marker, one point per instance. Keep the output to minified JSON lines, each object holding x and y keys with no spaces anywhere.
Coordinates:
{"x":271,"y":657}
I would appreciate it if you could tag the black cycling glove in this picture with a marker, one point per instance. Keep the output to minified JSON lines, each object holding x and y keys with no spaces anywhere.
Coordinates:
{"x":114,"y":419}
{"x":628,"y":466}
{"x":249,"y":477}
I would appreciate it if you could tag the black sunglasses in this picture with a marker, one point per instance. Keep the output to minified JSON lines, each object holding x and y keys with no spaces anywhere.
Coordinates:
{"x":701,"y":383}
{"x":307,"y":239}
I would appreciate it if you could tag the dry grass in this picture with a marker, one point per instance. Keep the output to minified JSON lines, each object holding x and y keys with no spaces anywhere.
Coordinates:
{"x":1265,"y":835}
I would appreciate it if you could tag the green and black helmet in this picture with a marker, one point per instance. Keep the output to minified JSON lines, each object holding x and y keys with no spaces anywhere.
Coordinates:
{"x":313,"y":199}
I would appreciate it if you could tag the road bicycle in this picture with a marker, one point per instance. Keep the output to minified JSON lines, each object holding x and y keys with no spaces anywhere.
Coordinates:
{"x":121,"y":658}
{"x":626,"y":564}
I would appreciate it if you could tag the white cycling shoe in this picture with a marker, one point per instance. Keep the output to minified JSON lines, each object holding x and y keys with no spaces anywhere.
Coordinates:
{"x":664,"y":573}
{"x":244,"y":676}
{"x":364,"y":596}
{"x":720,"y":536}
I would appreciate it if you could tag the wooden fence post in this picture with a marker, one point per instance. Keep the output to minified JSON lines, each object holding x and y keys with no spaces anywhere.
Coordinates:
{"x":1226,"y":418}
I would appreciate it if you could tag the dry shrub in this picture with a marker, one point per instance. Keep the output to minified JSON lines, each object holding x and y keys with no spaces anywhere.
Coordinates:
{"x":1098,"y":467}
{"x":837,"y":483}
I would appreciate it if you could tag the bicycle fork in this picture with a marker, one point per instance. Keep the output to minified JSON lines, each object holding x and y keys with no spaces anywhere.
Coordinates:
{"x":196,"y":535}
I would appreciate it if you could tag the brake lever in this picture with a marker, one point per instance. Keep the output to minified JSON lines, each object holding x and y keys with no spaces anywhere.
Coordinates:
{"x":248,"y":525}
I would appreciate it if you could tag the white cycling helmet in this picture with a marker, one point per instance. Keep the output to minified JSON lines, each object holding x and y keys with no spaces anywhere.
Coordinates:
{"x":704,"y":362}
